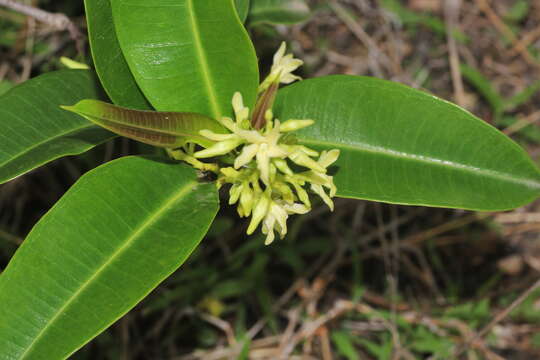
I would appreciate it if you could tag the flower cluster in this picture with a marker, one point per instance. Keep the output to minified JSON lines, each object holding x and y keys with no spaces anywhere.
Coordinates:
{"x":260,"y":171}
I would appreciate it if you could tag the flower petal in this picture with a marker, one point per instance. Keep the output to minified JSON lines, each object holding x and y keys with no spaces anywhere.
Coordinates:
{"x":248,"y":153}
{"x":220,"y":148}
{"x":259,"y":213}
{"x":217,"y":137}
{"x":263,"y":163}
{"x":318,"y":189}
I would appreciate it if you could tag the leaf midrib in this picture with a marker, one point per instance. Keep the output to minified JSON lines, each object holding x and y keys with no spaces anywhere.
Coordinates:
{"x":203,"y":63}
{"x":47,"y":140}
{"x":362,"y":147}
{"x":144,"y":225}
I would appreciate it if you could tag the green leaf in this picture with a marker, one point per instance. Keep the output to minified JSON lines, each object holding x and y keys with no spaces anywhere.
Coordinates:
{"x":188,"y":55}
{"x":484,"y":87}
{"x":242,"y":6}
{"x":404,"y":146}
{"x":530,"y":132}
{"x":34,"y":130}
{"x":522,"y":97}
{"x":278,"y":11}
{"x":344,"y":345}
{"x":111,"y":66}
{"x":114,"y":236}
{"x":5,"y":85}
{"x":163,"y":129}
{"x":409,"y":17}
{"x":518,"y":11}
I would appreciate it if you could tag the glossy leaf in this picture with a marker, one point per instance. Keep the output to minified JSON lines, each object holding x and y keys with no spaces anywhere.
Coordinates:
{"x":187,"y":55}
{"x":114,"y":236}
{"x":278,"y":11}
{"x":110,"y":64}
{"x":163,"y":129}
{"x":33,"y":128}
{"x":242,"y":6}
{"x":400,"y":145}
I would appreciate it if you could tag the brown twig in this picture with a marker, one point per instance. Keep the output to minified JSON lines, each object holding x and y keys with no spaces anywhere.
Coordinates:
{"x":451,"y":14}
{"x":56,"y":20}
{"x":373,"y":48}
{"x":11,"y":238}
{"x":505,"y":30}
{"x":222,"y":325}
{"x":498,"y":318}
{"x":522,"y":123}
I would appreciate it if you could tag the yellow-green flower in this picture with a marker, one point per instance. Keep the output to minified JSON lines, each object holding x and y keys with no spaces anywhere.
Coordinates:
{"x":282,"y":69}
{"x":260,"y":172}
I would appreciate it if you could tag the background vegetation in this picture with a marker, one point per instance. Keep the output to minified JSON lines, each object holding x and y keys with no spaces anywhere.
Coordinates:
{"x":369,"y":280}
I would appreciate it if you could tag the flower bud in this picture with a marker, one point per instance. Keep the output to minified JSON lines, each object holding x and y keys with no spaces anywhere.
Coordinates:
{"x":263,"y":163}
{"x":300,"y":158}
{"x":259,"y":212}
{"x":282,"y":166}
{"x":327,"y":158}
{"x":220,"y":148}
{"x":268,"y":115}
{"x":216,"y":137}
{"x":247,"y":154}
{"x":234,"y":193}
{"x":230,"y":173}
{"x":246,"y":200}
{"x":302,"y":194}
{"x":293,"y":125}
{"x":284,"y":190}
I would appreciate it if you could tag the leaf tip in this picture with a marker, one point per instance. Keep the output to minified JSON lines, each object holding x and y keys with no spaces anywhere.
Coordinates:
{"x":68,"y":108}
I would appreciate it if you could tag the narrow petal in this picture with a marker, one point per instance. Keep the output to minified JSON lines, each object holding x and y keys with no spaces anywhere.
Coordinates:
{"x":217,"y":137}
{"x":259,"y":213}
{"x":281,"y":164}
{"x":318,"y":189}
{"x":302,"y":195}
{"x":234,"y":193}
{"x":270,"y":236}
{"x":284,"y":190}
{"x":246,"y":200}
{"x":300,"y":158}
{"x":220,"y":148}
{"x":277,"y":152}
{"x":328,"y":157}
{"x":308,"y":151}
{"x":296,"y":208}
{"x":230,"y":173}
{"x":228,"y":123}
{"x":263,"y":163}
{"x":248,"y":153}
{"x":280,"y":53}
{"x":281,"y":218}
{"x":251,"y":136}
